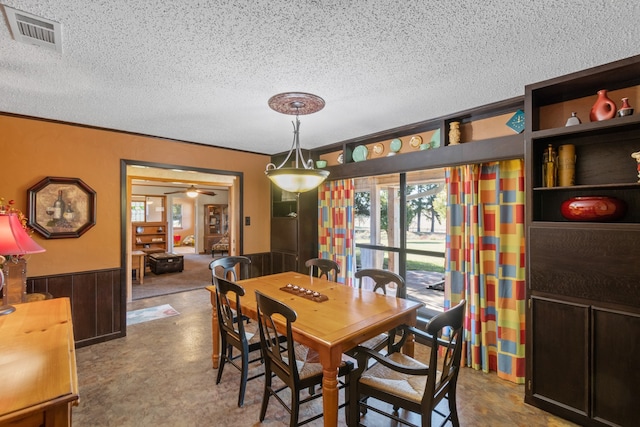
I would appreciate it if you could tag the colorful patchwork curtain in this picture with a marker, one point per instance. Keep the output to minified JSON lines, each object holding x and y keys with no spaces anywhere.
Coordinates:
{"x":336,"y":226}
{"x":484,"y":263}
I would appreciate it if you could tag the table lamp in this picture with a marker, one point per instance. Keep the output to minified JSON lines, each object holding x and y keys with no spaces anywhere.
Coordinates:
{"x":14,"y":242}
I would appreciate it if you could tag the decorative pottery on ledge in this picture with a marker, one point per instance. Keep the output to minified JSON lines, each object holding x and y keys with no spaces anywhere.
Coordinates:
{"x":593,"y":208}
{"x":603,"y":109}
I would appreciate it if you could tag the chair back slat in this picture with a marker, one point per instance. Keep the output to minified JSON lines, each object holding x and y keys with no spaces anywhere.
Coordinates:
{"x":446,"y":351}
{"x":382,"y":278}
{"x":226,"y":267}
{"x":319,"y":267}
{"x":227,"y":320}
{"x":277,"y":348}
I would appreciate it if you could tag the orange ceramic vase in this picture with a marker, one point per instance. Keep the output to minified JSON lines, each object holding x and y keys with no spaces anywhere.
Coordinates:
{"x":603,"y":109}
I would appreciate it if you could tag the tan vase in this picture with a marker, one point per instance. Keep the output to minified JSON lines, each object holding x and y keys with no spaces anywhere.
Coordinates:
{"x":454,"y":133}
{"x":566,"y":165}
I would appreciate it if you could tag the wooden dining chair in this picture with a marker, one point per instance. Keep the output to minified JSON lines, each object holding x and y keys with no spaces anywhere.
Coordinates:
{"x":405,"y":382}
{"x":228,"y":267}
{"x":296,"y":365}
{"x":319,"y":267}
{"x":234,"y":334}
{"x":381,"y":278}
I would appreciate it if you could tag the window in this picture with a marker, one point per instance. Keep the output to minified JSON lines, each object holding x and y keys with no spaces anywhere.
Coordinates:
{"x":137,"y":211}
{"x":400,"y":226}
{"x":147,"y":208}
{"x":176,"y":211}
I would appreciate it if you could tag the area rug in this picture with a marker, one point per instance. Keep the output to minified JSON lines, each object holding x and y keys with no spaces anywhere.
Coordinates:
{"x":150,"y":313}
{"x":196,"y":275}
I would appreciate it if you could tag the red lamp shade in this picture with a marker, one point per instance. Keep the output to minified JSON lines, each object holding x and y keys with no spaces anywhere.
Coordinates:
{"x":14,"y":240}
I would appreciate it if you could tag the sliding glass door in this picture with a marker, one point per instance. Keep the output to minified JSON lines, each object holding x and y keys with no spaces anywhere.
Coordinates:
{"x":399,"y":226}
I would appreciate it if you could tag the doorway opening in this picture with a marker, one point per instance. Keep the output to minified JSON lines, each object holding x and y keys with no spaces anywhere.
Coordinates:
{"x":159,"y":193}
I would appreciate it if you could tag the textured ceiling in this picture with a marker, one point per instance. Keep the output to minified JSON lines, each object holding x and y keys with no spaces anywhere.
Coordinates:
{"x":203,"y":71}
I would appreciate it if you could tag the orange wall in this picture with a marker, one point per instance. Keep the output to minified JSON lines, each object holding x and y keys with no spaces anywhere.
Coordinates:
{"x":31,"y":150}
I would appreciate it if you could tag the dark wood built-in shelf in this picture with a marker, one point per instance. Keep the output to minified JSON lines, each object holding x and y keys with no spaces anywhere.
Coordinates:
{"x":583,"y":288}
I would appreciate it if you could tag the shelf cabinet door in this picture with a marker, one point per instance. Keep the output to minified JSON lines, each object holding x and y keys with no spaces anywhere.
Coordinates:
{"x":294,"y":229}
{"x":616,"y":379}
{"x":589,"y":261}
{"x":284,"y":235}
{"x":560,"y":348}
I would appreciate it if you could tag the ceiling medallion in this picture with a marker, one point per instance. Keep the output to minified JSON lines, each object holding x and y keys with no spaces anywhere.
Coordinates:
{"x":296,"y":103}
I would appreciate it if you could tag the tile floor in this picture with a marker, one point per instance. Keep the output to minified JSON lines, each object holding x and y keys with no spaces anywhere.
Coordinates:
{"x":160,"y":374}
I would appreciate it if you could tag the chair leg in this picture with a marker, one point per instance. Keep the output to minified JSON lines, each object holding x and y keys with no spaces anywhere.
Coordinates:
{"x":295,"y":408}
{"x":453,"y":408}
{"x":354,"y":406}
{"x":220,"y":369}
{"x":266,"y":394}
{"x":223,"y":359}
{"x":243,"y":378}
{"x":347,"y":398}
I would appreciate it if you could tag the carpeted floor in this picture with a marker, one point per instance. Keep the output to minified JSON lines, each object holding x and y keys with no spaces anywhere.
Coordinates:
{"x":196,"y":275}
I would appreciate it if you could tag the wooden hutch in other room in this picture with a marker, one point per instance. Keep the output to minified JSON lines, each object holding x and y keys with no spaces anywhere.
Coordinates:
{"x":148,"y":224}
{"x":149,"y":237}
{"x":216,"y":224}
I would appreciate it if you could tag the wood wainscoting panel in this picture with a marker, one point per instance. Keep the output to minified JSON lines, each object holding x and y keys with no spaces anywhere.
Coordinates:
{"x":260,"y":264}
{"x":96,"y":306}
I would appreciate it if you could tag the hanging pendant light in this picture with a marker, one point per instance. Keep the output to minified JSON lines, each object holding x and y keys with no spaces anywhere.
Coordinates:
{"x":302,"y":177}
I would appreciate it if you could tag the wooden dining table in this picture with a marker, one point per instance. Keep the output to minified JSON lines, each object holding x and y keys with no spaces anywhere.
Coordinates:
{"x":348,"y":317}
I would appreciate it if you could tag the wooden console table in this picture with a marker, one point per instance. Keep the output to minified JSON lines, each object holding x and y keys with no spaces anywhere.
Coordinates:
{"x":38,"y":379}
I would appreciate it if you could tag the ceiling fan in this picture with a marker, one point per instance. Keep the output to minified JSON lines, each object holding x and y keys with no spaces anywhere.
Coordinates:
{"x":192,"y":192}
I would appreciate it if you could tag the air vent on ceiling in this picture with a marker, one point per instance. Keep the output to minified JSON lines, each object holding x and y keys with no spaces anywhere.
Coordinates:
{"x":31,"y":29}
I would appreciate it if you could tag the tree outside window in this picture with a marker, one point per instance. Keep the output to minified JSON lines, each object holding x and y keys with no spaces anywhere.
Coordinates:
{"x":176,"y":211}
{"x":137,"y":211}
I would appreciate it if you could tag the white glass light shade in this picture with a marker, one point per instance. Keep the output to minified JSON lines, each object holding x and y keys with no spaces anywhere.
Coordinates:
{"x":303,"y":177}
{"x":297,"y":180}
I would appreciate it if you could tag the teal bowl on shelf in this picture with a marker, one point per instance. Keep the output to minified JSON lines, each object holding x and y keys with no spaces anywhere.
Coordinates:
{"x":321,"y":164}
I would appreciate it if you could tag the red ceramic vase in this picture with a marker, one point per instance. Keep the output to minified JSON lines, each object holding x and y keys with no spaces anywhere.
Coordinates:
{"x":593,"y":208}
{"x":603,"y":109}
